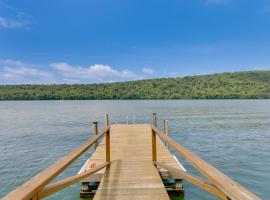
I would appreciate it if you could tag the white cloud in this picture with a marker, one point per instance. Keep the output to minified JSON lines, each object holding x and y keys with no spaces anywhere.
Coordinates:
{"x":18,"y":72}
{"x":12,"y":23}
{"x":14,"y":71}
{"x":169,"y":74}
{"x":13,"y":18}
{"x":97,"y":72}
{"x":148,"y":71}
{"x":265,"y":67}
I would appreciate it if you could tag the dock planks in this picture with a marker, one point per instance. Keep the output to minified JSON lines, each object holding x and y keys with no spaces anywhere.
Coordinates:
{"x":131,"y":174}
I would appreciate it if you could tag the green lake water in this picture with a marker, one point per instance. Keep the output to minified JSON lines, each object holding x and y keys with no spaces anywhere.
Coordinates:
{"x":232,"y":135}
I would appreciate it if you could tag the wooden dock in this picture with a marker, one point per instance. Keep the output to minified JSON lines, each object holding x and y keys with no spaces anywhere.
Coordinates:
{"x":132,"y":162}
{"x":132,"y":174}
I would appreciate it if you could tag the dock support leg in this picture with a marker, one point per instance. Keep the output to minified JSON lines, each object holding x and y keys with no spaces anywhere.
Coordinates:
{"x":85,"y":190}
{"x":154,"y":119}
{"x":107,"y":120}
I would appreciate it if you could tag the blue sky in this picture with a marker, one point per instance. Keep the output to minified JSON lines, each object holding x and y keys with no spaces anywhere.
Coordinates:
{"x":89,"y":41}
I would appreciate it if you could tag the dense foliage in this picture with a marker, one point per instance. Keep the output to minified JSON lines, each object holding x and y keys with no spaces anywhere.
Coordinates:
{"x":238,"y":85}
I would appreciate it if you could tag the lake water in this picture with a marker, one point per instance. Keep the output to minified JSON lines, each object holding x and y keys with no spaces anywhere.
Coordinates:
{"x":232,"y":135}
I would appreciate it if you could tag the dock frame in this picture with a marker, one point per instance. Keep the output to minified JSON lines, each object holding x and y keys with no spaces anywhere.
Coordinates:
{"x":131,"y":157}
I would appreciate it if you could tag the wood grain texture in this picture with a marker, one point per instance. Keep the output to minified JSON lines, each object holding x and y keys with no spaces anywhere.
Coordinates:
{"x":131,"y":174}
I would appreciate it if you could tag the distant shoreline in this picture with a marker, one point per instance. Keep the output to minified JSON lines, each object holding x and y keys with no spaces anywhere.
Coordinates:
{"x":236,"y":85}
{"x":127,"y":99}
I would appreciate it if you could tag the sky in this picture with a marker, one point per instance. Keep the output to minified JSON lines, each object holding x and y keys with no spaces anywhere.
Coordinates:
{"x":95,"y":41}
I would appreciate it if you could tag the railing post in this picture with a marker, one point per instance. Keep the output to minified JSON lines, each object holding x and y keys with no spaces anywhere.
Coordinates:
{"x":106,"y":120}
{"x":108,"y":156}
{"x":154,"y":146}
{"x":165,"y":130}
{"x":108,"y":153}
{"x":95,"y":131}
{"x":154,"y":119}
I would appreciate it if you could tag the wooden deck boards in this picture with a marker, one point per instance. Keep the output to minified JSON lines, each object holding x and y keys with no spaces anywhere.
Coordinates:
{"x":131,"y":175}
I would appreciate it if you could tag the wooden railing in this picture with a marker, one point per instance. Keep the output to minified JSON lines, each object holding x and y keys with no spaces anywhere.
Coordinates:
{"x":38,"y":187}
{"x":216,"y":182}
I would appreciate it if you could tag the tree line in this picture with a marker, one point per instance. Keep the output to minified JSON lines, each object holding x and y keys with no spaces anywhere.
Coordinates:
{"x":237,"y":85}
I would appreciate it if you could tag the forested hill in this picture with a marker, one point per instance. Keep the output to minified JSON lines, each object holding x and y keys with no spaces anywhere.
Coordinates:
{"x":237,"y":85}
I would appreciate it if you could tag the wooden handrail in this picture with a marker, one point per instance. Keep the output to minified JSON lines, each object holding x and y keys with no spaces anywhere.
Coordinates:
{"x":217,"y":183}
{"x":31,"y":189}
{"x":231,"y":188}
{"x":199,"y":182}
{"x":59,"y":185}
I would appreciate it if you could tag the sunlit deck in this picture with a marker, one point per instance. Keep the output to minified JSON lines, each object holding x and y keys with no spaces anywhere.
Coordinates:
{"x":132,"y":174}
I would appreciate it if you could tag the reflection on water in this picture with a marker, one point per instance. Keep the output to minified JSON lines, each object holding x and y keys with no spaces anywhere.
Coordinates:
{"x":233,"y":135}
